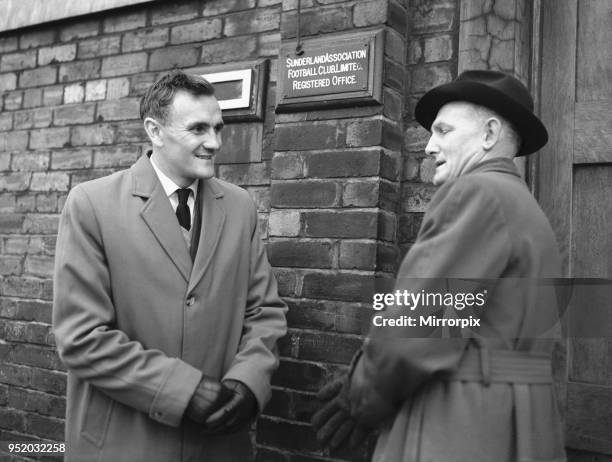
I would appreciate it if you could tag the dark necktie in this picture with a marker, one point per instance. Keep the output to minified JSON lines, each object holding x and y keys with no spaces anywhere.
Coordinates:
{"x":182,"y":211}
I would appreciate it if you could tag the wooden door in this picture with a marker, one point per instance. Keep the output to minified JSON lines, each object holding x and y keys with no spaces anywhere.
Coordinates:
{"x":575,"y":190}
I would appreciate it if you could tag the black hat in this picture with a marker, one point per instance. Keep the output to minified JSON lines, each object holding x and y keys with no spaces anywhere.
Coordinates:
{"x":495,"y":90}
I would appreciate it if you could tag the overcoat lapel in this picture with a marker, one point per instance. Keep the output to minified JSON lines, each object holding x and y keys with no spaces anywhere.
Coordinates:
{"x":213,"y":218}
{"x":157,"y":214}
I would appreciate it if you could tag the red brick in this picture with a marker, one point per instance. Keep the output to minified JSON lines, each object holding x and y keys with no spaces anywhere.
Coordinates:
{"x":287,"y":165}
{"x":49,"y":181}
{"x":71,"y":159}
{"x":204,"y":29}
{"x":326,"y":315}
{"x":250,"y":22}
{"x":357,"y":255}
{"x":6,"y":121}
{"x":174,"y":12}
{"x":89,"y":135}
{"x":117,"y":88}
{"x":282,"y":434}
{"x":40,"y":223}
{"x":87,"y":175}
{"x":391,"y":135}
{"x":341,"y":224}
{"x":31,"y":310}
{"x":21,"y":287}
{"x":16,"y":61}
{"x":431,"y":17}
{"x":15,"y":245}
{"x":52,"y":96}
{"x":306,"y":136}
{"x":14,"y":141}
{"x":13,"y":100}
{"x":145,"y":38}
{"x":245,"y":174}
{"x":131,"y":132}
{"x":39,"y":266}
{"x":409,"y":226}
{"x":38,"y":118}
{"x":364,"y":133}
{"x":119,"y":109}
{"x":397,"y":18}
{"x":395,"y":46}
{"x":56,"y":54}
{"x":49,"y":381}
{"x":293,"y":4}
{"x":170,"y":57}
{"x":79,"y":30}
{"x":370,"y":13}
{"x":34,"y":355}
{"x":8,"y":44}
{"x":215,"y":7}
{"x":300,"y":375}
{"x":45,"y":203}
{"x":392,"y":104}
{"x":38,"y":402}
{"x":416,"y":196}
{"x":95,"y":90}
{"x":5,"y":161}
{"x":37,"y":77}
{"x":227,"y":50}
{"x":284,"y":223}
{"x":46,"y":427}
{"x":74,"y":93}
{"x":131,"y":63}
{"x":438,"y":48}
{"x":36,"y":38}
{"x":332,"y":164}
{"x":115,"y":156}
{"x":80,"y":70}
{"x":30,"y":161}
{"x":268,"y":44}
{"x":317,"y":21}
{"x":121,"y":21}
{"x":10,"y":222}
{"x":304,"y":254}
{"x":25,"y":203}
{"x":394,"y":74}
{"x":32,"y":97}
{"x":360,"y":194}
{"x":338,"y":286}
{"x":10,"y":265}
{"x":45,"y":138}
{"x":287,"y":282}
{"x":74,"y":114}
{"x":305,"y":194}
{"x":8,"y":81}
{"x":12,"y":419}
{"x":242,"y":143}
{"x":99,"y":46}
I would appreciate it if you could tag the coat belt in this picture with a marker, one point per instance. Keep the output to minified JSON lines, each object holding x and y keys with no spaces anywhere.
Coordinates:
{"x":503,"y":366}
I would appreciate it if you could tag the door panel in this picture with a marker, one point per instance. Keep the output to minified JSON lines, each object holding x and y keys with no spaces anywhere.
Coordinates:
{"x":575,"y":190}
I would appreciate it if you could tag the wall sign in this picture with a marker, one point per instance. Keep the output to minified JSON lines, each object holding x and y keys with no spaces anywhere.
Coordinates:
{"x":239,"y":87}
{"x":333,"y":71}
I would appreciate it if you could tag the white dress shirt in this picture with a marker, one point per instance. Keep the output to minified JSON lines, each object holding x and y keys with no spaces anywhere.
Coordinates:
{"x":170,"y":188}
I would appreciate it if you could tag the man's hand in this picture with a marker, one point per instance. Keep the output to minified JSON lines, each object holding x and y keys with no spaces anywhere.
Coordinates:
{"x":333,"y":422}
{"x":208,"y":397}
{"x":237,"y":412}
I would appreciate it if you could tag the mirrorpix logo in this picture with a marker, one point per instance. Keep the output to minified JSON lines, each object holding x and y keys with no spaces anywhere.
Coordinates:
{"x":437,"y":300}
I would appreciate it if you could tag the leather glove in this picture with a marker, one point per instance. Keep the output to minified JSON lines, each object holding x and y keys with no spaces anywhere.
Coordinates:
{"x":333,"y":422}
{"x":237,"y":412}
{"x":208,"y":397}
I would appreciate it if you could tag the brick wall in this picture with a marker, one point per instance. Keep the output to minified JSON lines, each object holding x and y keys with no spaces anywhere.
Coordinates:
{"x":340,"y":191}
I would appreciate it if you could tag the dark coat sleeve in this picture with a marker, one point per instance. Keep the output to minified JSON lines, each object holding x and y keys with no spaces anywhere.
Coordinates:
{"x":463,"y":235}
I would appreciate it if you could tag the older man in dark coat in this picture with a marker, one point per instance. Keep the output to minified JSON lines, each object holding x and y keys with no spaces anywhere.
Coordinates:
{"x":485,"y":393}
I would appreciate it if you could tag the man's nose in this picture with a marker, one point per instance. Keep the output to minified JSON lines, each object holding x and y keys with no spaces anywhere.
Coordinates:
{"x":431,"y":147}
{"x":212,"y":141}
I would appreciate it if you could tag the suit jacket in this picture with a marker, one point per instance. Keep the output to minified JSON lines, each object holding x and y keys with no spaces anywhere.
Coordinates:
{"x":137,"y":323}
{"x":486,"y":226}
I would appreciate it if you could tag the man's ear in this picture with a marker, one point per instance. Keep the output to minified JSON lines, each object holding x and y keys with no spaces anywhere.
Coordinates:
{"x":153,"y":129}
{"x":492,"y":127}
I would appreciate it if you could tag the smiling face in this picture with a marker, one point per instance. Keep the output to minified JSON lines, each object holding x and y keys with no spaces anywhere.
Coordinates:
{"x":185,"y":145}
{"x":456,"y":142}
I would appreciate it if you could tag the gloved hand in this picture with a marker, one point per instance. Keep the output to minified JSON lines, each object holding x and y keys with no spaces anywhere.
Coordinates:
{"x":208,"y":397}
{"x":333,"y":422}
{"x":235,"y":413}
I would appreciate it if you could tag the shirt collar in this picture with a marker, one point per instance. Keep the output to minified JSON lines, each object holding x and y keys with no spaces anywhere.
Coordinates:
{"x":170,"y":186}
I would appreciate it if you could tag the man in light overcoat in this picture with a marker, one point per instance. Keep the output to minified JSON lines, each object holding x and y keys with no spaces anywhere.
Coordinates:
{"x":166,"y":312}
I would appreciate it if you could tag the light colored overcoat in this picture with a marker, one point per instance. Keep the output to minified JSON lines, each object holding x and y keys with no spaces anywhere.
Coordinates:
{"x":137,"y":323}
{"x":487,"y":226}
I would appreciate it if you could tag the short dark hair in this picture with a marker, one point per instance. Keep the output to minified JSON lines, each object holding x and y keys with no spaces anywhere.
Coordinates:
{"x":158,"y":97}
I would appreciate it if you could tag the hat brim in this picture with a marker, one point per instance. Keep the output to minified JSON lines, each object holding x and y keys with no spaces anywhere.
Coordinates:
{"x":530,"y":128}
